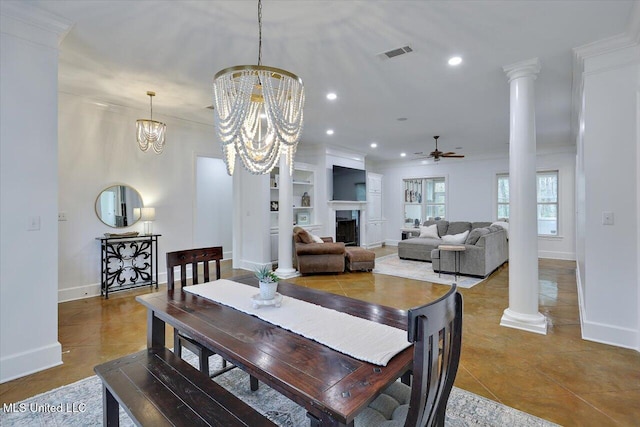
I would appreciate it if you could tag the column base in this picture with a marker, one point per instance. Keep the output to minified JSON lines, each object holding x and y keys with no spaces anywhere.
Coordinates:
{"x":536,"y":323}
{"x":286,"y":273}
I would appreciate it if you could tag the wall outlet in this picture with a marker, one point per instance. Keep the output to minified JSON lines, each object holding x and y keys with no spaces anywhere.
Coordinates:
{"x":62,"y":216}
{"x":607,"y":218}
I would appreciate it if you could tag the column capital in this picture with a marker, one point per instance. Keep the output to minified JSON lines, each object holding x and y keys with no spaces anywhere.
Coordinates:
{"x":529,"y":68}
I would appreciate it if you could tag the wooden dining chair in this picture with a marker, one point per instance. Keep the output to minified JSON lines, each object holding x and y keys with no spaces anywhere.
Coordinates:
{"x":436,"y":332}
{"x":193,"y":257}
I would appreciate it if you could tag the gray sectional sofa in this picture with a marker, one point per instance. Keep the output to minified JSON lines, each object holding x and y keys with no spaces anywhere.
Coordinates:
{"x":486,"y":247}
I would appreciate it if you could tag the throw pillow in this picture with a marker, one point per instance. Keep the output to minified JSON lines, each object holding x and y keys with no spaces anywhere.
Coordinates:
{"x":430,"y":231}
{"x":316,"y":239}
{"x":475,"y":235}
{"x":304,"y":236}
{"x":504,"y":225}
{"x":455,"y":239}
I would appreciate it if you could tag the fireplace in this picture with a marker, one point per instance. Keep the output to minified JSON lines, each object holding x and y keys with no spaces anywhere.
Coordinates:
{"x":348,"y":227}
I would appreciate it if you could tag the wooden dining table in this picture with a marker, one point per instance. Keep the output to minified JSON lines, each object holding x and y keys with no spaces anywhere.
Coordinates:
{"x":332,"y":387}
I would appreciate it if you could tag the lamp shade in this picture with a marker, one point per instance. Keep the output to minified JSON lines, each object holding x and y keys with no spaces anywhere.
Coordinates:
{"x":148,"y":214}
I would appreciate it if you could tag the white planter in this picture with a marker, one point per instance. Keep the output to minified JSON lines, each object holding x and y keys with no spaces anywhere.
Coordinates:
{"x":268,"y":290}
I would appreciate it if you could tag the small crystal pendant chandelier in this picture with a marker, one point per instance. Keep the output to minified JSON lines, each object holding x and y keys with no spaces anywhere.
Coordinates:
{"x":258,"y":113}
{"x":150,"y":133}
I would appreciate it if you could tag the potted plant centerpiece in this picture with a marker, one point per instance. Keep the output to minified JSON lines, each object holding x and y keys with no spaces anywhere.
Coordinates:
{"x":268,"y":282}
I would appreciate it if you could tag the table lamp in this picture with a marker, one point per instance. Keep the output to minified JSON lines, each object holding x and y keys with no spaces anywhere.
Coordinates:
{"x":148,"y":215}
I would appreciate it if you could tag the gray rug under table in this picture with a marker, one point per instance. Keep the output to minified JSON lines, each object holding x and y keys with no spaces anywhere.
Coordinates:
{"x":80,"y":404}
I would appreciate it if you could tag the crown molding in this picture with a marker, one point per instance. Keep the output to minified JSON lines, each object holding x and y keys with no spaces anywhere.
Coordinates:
{"x":31,"y":23}
{"x":630,"y":38}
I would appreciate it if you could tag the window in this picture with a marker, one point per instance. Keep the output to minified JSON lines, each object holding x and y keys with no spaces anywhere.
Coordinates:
{"x":435,"y":198}
{"x":424,"y":199}
{"x":547,"y":195}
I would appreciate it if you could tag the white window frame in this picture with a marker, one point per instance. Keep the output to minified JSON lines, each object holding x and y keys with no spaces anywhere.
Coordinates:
{"x":538,"y":203}
{"x":424,"y":204}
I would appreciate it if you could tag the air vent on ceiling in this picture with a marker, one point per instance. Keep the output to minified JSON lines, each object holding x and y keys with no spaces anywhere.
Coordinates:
{"x":395,"y":52}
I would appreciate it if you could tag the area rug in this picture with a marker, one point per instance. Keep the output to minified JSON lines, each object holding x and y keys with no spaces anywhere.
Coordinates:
{"x":392,"y":265}
{"x":80,"y":404}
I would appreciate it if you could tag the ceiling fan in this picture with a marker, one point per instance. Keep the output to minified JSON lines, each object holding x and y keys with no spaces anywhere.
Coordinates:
{"x":437,"y":154}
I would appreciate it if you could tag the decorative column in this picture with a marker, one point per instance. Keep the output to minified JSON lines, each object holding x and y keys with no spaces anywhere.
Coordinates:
{"x":285,"y":222}
{"x":523,"y":224}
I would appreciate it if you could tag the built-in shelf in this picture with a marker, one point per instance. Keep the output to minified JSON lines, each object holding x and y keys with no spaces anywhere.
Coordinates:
{"x":303,"y":181}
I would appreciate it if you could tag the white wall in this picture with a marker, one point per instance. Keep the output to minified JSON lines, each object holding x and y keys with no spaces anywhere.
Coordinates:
{"x":28,"y":191}
{"x":214,"y":205}
{"x":97,"y":148}
{"x":471,"y":194}
{"x":251,"y":220}
{"x":609,"y":275}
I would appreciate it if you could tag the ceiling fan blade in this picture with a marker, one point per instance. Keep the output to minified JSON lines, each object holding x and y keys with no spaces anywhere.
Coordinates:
{"x":459,"y":156}
{"x":448,"y":153}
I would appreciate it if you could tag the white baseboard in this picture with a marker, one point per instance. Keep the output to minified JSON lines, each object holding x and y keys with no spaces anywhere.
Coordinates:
{"x":568,"y":256}
{"x":610,"y":334}
{"x":391,"y":242}
{"x":249,"y":265}
{"x":29,"y":362}
{"x":78,"y":292}
{"x":93,"y":290}
{"x":601,"y":332}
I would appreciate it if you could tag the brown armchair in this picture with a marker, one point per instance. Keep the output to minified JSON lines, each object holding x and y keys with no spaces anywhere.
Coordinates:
{"x":310,"y":257}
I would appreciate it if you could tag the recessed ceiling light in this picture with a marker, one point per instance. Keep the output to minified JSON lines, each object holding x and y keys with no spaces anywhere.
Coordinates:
{"x":403,"y":154}
{"x":329,"y":131}
{"x":374,"y":145}
{"x":455,"y":60}
{"x":331,"y":96}
{"x":401,"y":119}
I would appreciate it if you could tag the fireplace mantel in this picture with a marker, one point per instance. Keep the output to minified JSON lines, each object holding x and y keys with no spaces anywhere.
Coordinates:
{"x":347,"y":205}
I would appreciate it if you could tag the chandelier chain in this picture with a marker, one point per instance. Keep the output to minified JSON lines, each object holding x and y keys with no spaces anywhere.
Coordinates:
{"x":259,"y":32}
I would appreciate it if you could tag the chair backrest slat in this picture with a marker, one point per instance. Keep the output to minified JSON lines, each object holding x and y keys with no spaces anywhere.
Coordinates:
{"x":195,"y":257}
{"x":436,"y":331}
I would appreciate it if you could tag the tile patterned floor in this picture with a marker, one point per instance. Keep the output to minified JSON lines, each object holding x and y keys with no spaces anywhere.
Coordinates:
{"x":559,"y":377}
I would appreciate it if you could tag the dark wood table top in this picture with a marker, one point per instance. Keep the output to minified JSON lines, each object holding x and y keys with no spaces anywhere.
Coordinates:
{"x":332,"y":386}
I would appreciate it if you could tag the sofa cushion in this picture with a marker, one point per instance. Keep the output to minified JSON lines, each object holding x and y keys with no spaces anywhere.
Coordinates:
{"x":480,"y":224}
{"x":429,"y":231}
{"x":442,"y":226}
{"x":475,"y":234}
{"x":455,"y":239}
{"x":319,"y":249}
{"x":316,"y":239}
{"x":504,"y":225}
{"x":494,"y":228}
{"x":302,"y":235}
{"x":457,"y":227}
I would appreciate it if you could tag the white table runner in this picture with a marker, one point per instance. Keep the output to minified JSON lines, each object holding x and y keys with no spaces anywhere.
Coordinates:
{"x":359,"y":338}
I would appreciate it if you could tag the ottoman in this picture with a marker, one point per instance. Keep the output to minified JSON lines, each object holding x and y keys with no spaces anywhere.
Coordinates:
{"x":359,"y":259}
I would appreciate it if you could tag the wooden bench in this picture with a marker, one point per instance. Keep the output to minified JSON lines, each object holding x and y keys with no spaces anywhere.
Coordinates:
{"x":157,"y":388}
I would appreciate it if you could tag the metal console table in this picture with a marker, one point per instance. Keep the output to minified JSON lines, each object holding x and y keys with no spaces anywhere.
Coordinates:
{"x":128,"y":262}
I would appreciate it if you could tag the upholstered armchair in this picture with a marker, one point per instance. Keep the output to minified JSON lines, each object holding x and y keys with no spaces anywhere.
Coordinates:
{"x":316,"y":255}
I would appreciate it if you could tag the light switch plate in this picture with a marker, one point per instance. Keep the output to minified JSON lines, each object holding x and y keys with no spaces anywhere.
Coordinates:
{"x":33,"y":223}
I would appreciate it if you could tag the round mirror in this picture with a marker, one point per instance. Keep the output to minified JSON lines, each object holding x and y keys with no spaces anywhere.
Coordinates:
{"x":119,"y":206}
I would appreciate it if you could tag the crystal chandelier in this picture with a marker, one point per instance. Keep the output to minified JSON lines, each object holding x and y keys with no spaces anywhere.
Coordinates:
{"x":258,"y":113}
{"x":150,"y":133}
